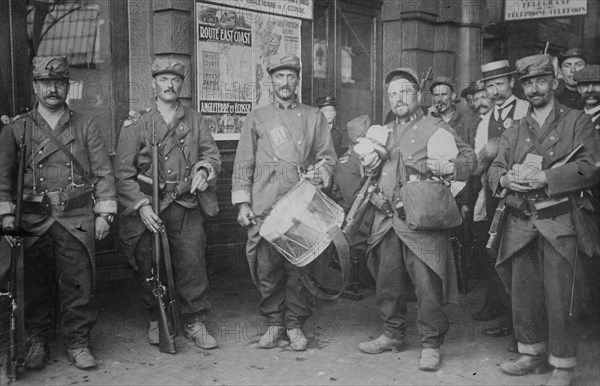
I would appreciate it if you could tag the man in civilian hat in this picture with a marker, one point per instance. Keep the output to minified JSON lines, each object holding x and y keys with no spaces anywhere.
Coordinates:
{"x":569,"y":62}
{"x":395,"y":250}
{"x":277,"y":142}
{"x":65,"y":153}
{"x":327,"y":105}
{"x":588,"y":85}
{"x":539,"y":247}
{"x":499,"y":83}
{"x":188,"y":164}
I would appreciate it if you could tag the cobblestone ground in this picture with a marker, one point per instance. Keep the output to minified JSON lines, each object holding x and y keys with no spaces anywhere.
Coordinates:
{"x":119,"y":343}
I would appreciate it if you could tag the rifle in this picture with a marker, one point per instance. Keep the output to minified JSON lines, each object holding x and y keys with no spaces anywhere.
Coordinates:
{"x":166,"y":331}
{"x":16,"y":294}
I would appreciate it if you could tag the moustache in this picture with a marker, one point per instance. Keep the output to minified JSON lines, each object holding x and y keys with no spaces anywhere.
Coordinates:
{"x":590,"y":94}
{"x":536,"y":95}
{"x":170,"y":89}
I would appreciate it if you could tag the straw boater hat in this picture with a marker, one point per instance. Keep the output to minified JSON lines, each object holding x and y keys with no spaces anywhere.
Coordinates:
{"x":495,"y":70}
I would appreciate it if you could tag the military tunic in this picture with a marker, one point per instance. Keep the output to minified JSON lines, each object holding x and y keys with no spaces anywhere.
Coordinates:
{"x":65,"y":240}
{"x":394,"y":249}
{"x":186,"y":145}
{"x":273,"y":144}
{"x":536,"y":256}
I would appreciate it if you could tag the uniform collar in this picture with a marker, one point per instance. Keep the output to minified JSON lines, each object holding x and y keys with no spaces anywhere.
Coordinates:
{"x":291,"y":106}
{"x":417,"y":114}
{"x":593,"y":111}
{"x":35,"y":115}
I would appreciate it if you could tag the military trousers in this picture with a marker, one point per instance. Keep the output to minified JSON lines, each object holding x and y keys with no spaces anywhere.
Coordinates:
{"x":393,"y":262}
{"x":58,"y":258}
{"x":540,"y":279}
{"x":187,"y":245}
{"x":284,"y":300}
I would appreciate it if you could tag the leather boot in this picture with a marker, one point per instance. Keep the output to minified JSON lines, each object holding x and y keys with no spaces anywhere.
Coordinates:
{"x":381,"y":344}
{"x":153,"y":333}
{"x":197,"y":333}
{"x":271,"y":337}
{"x":298,"y":341}
{"x":526,"y":364}
{"x":561,"y":377}
{"x":430,"y":359}
{"x":82,"y":358}
{"x":37,"y":356}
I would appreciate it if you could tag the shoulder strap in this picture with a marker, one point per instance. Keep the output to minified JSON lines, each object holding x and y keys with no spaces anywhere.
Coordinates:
{"x":84,"y":173}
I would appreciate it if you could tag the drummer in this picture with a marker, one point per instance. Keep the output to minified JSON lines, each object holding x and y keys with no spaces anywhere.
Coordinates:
{"x":277,"y":143}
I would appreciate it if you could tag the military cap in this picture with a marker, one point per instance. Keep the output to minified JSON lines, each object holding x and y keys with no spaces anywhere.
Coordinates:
{"x":495,"y":70}
{"x":358,"y":127}
{"x":535,"y":65}
{"x":326,"y":101}
{"x":50,"y":67}
{"x":168,"y":66}
{"x":405,"y":72}
{"x":442,"y":80}
{"x":574,"y":52}
{"x":472,"y":88}
{"x":290,"y":62}
{"x":590,"y":74}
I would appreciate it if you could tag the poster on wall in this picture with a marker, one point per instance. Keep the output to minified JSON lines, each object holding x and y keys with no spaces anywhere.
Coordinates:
{"x":234,"y":49}
{"x":537,"y":9}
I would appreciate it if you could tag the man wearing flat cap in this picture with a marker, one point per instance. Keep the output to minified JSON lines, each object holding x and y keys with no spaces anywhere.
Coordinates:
{"x":69,"y":192}
{"x":328,"y":106}
{"x":542,"y":238}
{"x":394,"y":250}
{"x":569,"y":62}
{"x":279,"y":144}
{"x":188,"y":163}
{"x":476,"y":97}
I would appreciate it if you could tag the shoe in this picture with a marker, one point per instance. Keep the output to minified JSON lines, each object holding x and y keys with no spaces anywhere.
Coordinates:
{"x":298,"y":341}
{"x":430,"y":359}
{"x":499,"y":331}
{"x":271,"y":337}
{"x":153,"y":333}
{"x":38,"y":356}
{"x":381,"y":344}
{"x":561,"y":377}
{"x":197,"y":333}
{"x":82,"y":357}
{"x":526,"y":364}
{"x":486,"y":314}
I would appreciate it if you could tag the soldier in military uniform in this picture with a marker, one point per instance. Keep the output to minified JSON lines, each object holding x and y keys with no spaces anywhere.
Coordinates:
{"x":569,"y":62}
{"x":393,"y":248}
{"x":68,"y":167}
{"x":339,"y":135}
{"x":275,"y":142}
{"x":499,"y":83}
{"x":189,"y":162}
{"x":539,"y":245}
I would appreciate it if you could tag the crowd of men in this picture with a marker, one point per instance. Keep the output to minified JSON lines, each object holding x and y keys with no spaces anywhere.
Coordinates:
{"x":537,"y":159}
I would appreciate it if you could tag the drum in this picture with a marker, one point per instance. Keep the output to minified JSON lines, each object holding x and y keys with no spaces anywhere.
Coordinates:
{"x":298,"y":224}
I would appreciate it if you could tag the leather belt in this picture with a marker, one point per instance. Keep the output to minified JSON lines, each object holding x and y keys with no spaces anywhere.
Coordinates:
{"x":528,"y":205}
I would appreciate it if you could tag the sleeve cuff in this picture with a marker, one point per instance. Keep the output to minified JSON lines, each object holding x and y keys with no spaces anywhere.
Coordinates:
{"x":212,"y":174}
{"x":6,"y":207}
{"x":134,"y":208}
{"x":240,"y":196}
{"x":105,"y":206}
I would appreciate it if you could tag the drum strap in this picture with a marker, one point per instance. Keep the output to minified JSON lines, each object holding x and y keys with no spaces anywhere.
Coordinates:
{"x":343,"y":253}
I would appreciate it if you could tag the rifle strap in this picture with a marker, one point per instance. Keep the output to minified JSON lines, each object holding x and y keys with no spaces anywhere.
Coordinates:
{"x":75,"y":162}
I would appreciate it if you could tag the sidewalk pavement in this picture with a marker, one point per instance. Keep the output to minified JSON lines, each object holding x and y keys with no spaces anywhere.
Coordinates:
{"x":332,"y":358}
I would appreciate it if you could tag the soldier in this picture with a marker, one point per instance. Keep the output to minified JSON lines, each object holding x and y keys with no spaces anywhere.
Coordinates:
{"x":275,"y":142}
{"x":569,"y":62}
{"x":393,"y":248}
{"x":327,"y":106}
{"x":538,"y":250}
{"x":588,"y":85}
{"x":499,"y":84}
{"x":189,"y":162}
{"x":68,"y":167}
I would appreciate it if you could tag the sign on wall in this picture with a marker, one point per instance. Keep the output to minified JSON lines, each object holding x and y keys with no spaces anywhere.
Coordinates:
{"x":537,"y":9}
{"x":234,"y":49}
{"x":299,"y":9}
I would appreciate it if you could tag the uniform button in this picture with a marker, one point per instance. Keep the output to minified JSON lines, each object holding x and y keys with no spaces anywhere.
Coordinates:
{"x":40,"y":166}
{"x":169,"y":171}
{"x":409,"y":157}
{"x":412,"y":141}
{"x":182,"y":140}
{"x":299,"y":142}
{"x":527,"y":140}
{"x":187,"y":168}
{"x":180,"y":127}
{"x":40,"y":152}
{"x":275,"y":159}
{"x":552,"y":138}
{"x":68,"y":164}
{"x":415,"y":128}
{"x":384,"y":174}
{"x":69,"y":178}
{"x":299,"y":114}
{"x":166,"y":157}
{"x":551,"y":153}
{"x":41,"y":179}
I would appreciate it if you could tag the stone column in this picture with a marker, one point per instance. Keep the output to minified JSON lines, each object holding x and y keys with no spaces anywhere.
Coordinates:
{"x":468,"y":53}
